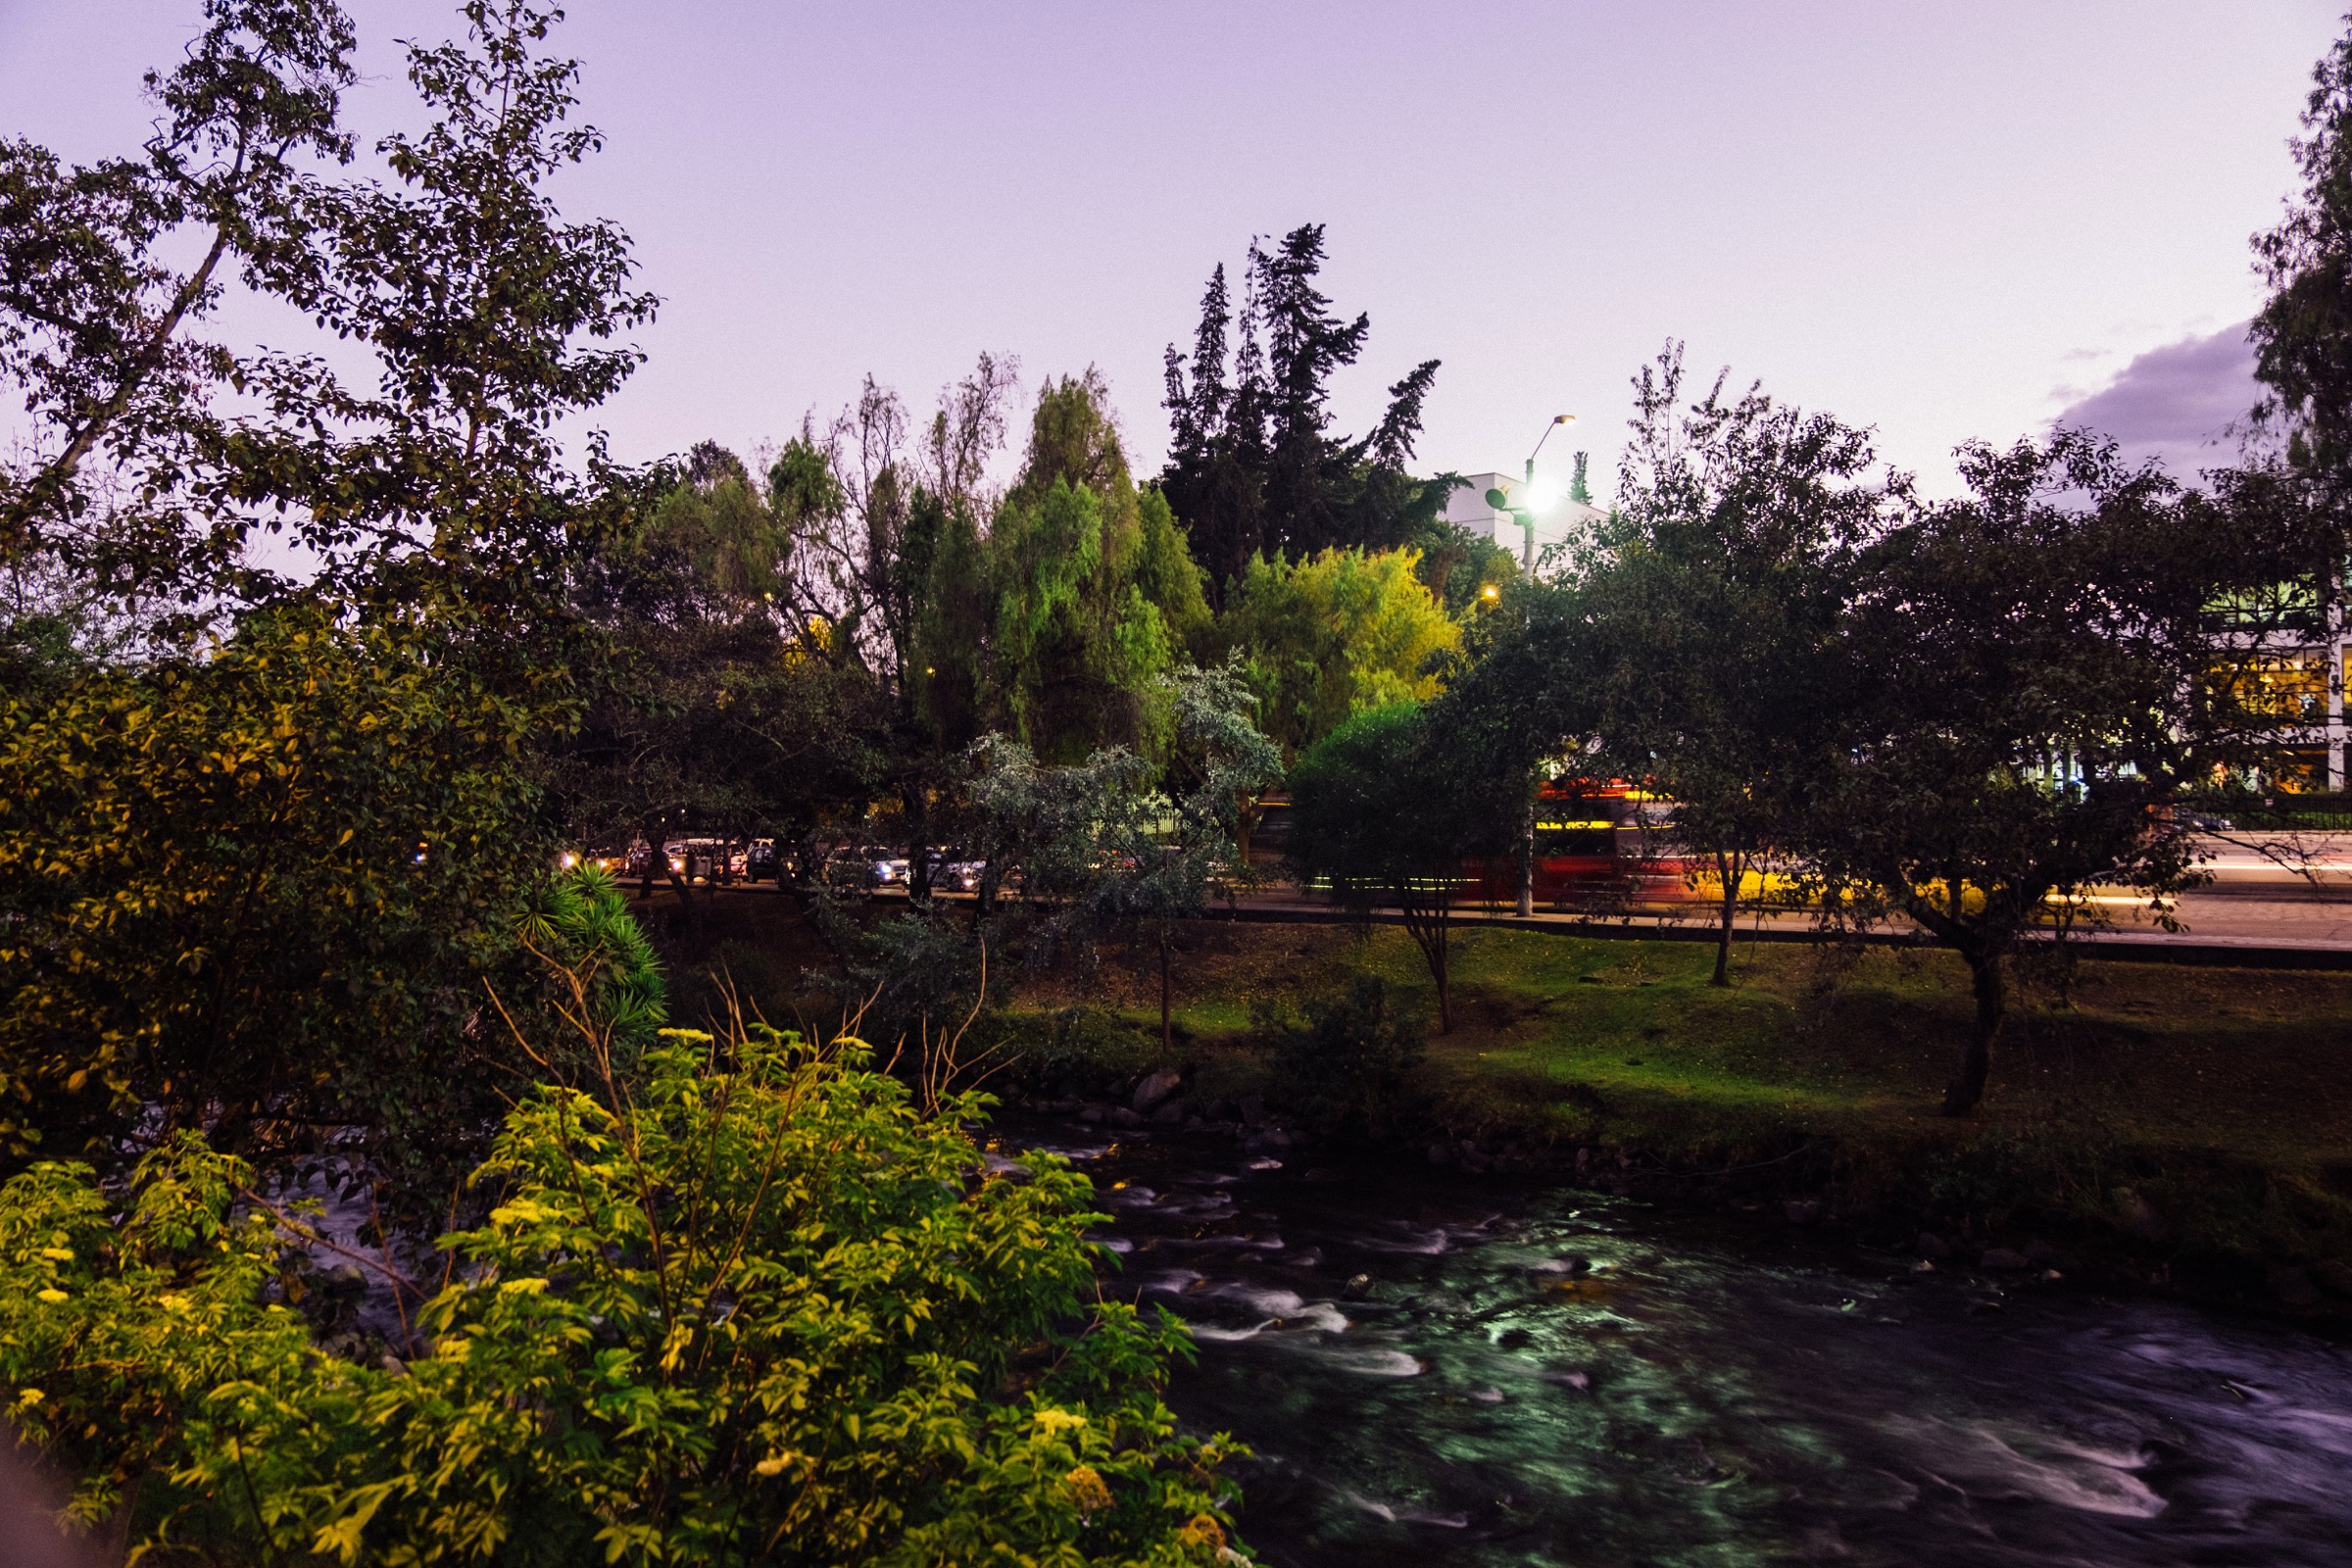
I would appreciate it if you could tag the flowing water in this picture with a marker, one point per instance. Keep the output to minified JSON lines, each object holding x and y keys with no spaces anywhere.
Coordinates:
{"x":1435,"y":1370}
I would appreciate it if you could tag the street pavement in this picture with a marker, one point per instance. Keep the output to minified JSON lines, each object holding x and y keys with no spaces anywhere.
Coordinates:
{"x":2281,"y":898}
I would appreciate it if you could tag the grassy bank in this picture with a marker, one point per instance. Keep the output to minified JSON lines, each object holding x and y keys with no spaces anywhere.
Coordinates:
{"x":2161,"y":1122}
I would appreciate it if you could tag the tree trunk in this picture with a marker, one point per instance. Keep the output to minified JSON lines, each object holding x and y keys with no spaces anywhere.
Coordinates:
{"x":1527,"y":859}
{"x":1167,"y":1030}
{"x":1728,"y":869}
{"x":918,"y":847}
{"x":1443,"y":969}
{"x":1966,"y":1091}
{"x":1429,"y":926}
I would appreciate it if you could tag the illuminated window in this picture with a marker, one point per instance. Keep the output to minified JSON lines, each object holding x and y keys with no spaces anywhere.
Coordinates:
{"x":2289,"y":686}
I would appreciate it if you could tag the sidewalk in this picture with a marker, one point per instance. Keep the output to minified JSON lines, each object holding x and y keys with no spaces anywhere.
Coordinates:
{"x":2225,"y":929}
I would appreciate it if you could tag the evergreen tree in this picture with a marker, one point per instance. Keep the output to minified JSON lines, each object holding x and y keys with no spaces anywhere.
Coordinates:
{"x":1253,"y":468}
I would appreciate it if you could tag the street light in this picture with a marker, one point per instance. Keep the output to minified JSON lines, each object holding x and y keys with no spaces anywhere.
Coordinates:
{"x":1527,"y":523}
{"x":1525,"y":513}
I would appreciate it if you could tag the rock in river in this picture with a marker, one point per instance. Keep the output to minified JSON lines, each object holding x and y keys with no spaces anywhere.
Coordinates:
{"x":1155,"y":1087}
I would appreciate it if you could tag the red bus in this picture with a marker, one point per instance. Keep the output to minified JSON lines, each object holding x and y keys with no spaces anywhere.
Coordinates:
{"x":1596,"y":844}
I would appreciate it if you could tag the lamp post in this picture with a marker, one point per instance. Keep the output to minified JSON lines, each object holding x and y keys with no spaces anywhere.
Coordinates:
{"x":1525,"y":512}
{"x":1526,"y":516}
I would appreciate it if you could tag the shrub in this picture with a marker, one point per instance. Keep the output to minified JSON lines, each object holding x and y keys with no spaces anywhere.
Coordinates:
{"x":1346,"y":1064}
{"x":754,"y":1309}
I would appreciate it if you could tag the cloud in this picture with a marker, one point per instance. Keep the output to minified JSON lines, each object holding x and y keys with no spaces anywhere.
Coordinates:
{"x":2176,"y":402}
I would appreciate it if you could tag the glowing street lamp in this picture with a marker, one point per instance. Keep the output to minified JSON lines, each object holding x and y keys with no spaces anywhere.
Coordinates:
{"x":1526,"y":514}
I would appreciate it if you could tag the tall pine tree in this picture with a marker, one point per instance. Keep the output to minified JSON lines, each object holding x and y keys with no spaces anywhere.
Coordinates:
{"x":1253,"y":468}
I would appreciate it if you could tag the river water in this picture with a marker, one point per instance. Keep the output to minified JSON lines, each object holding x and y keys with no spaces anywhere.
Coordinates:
{"x":1434,"y":1369}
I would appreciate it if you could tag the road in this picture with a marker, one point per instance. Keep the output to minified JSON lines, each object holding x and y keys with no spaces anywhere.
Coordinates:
{"x":2281,"y":900}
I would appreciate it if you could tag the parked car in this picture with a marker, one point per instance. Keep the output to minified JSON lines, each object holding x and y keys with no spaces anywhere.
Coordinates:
{"x":701,"y":857}
{"x":761,"y":862}
{"x":954,"y":876}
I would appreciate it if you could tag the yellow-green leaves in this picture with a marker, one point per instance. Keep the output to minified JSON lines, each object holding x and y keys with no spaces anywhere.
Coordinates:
{"x":756,"y":1315}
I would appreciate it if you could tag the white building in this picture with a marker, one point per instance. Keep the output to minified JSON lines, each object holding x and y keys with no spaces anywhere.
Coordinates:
{"x":1555,"y":517}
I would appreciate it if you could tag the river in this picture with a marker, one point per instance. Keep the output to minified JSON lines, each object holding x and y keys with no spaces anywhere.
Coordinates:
{"x":1435,"y":1368}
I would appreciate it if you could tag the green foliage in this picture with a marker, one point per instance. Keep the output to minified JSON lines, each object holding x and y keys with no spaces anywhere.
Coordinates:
{"x":1253,"y":466}
{"x":1711,"y":619}
{"x":612,"y":996}
{"x":1346,"y":1064}
{"x":716,"y":712}
{"x":1113,"y":841}
{"x":2028,"y":682}
{"x":2303,"y":335}
{"x":759,"y":1310}
{"x":1380,"y":811}
{"x":261,"y":889}
{"x":1094,"y":592}
{"x":1333,"y":636}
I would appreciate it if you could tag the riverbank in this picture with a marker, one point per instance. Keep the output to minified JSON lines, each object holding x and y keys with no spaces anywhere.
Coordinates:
{"x":2178,"y":1126}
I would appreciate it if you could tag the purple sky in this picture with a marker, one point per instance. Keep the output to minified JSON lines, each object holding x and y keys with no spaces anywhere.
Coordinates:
{"x":1946,"y":219}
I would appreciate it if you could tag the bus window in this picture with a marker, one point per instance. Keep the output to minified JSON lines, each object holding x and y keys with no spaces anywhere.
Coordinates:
{"x":1584,"y":840}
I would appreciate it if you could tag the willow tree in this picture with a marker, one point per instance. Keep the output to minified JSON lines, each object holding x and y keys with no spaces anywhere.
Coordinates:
{"x":1096,"y":594}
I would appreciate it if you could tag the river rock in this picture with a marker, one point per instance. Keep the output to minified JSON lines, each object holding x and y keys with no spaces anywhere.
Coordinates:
{"x":2293,"y":1288}
{"x":1253,"y":1109}
{"x":1094,"y":1113}
{"x":2002,"y":1257}
{"x":1801,"y":1210}
{"x":1441,"y":1154}
{"x":2334,"y":1276}
{"x":1155,"y":1087}
{"x":2140,"y":1216}
{"x":2039,"y":1252}
{"x":1121,"y":1116}
{"x":1931,"y":1244}
{"x":1170,"y":1114}
{"x":345,"y":1279}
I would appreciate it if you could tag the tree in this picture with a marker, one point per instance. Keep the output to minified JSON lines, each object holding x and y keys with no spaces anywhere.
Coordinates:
{"x":94,"y":326}
{"x":1115,"y":846}
{"x":1333,"y":636}
{"x":885,"y":525}
{"x":717,"y":713}
{"x":1096,"y":592}
{"x":2028,"y":681}
{"x":1252,"y":468}
{"x":2303,"y":335}
{"x":1714,"y":600}
{"x":1377,"y":809}
{"x":753,"y":1307}
{"x":299,"y":812}
{"x":258,"y":892}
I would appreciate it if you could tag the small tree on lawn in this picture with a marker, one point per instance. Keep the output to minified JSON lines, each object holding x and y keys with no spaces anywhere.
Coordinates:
{"x":1377,"y":811}
{"x":1712,"y":605}
{"x":2030,"y":679}
{"x":1113,"y":844}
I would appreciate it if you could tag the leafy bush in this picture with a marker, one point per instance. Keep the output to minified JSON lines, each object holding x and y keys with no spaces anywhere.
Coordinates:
{"x":757,"y":1311}
{"x":260,"y":891}
{"x":1346,"y":1064}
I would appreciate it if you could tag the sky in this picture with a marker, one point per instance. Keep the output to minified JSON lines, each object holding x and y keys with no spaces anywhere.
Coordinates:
{"x":1943,"y":221}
